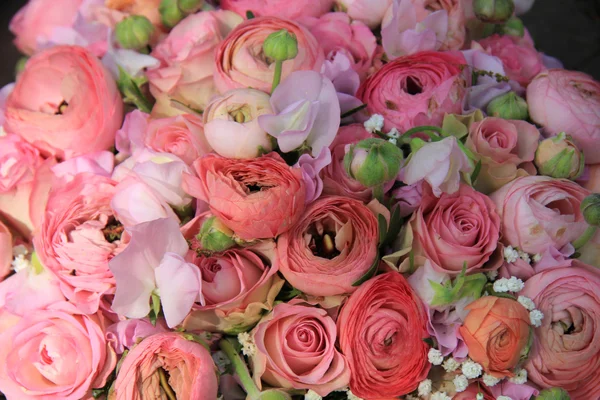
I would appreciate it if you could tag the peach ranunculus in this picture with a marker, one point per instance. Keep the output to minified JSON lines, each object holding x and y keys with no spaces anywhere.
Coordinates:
{"x":240,"y":61}
{"x":296,"y":349}
{"x":56,"y":353}
{"x":279,"y":8}
{"x":231,"y":123}
{"x":186,"y":56}
{"x":163,"y":362}
{"x":502,"y":146}
{"x":259,"y":198}
{"x":381,"y":331}
{"x":565,"y":347}
{"x":146,"y":8}
{"x":65,"y":103}
{"x":497,"y":333}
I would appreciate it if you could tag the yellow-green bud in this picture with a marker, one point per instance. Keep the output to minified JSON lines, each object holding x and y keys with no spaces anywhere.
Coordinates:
{"x":134,"y":32}
{"x":553,"y":394}
{"x":590,"y":207}
{"x":190,"y":6}
{"x":280,"y":46}
{"x":493,"y":11}
{"x":215,"y":236}
{"x":508,"y":106}
{"x":513,"y":27}
{"x":559,"y":157}
{"x":170,"y":14}
{"x":373,"y":161}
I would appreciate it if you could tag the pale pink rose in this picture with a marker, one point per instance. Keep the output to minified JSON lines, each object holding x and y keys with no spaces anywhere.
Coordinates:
{"x":231,"y":123}
{"x":501,"y":146}
{"x":6,"y":251}
{"x":65,"y":103}
{"x":338,"y":34}
{"x":285,"y":337}
{"x":126,"y":334}
{"x":187,"y":61}
{"x":539,"y":212}
{"x":568,"y":101}
{"x":521,"y":60}
{"x":439,"y":164}
{"x":258,"y":198}
{"x":240,"y":61}
{"x":57,"y":353}
{"x":369,"y":12}
{"x":188,"y":365}
{"x":279,"y":8}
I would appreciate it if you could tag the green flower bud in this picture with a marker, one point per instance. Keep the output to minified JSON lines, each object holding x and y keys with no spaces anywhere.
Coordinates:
{"x":281,"y":46}
{"x":513,"y":27}
{"x":170,"y":14}
{"x":134,"y":32}
{"x":373,"y":161}
{"x":190,"y":6}
{"x":494,"y":11}
{"x":559,"y":157}
{"x":553,"y":394}
{"x":590,"y":207}
{"x":215,"y":236}
{"x":508,"y":106}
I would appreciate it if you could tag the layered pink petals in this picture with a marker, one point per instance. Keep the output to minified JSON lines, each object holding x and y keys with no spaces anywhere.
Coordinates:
{"x":278,"y":8}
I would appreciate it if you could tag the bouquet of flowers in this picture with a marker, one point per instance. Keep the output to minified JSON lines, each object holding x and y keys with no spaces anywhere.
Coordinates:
{"x":307,"y":199}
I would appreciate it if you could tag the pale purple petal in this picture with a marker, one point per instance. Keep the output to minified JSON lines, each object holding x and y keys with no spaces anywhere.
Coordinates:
{"x":292,"y":125}
{"x":99,"y":163}
{"x":409,"y":198}
{"x":165,"y":180}
{"x":311,"y":167}
{"x":131,"y":136}
{"x":513,"y":390}
{"x":130,"y":61}
{"x":135,"y":203}
{"x":125,"y":334}
{"x":551,"y":62}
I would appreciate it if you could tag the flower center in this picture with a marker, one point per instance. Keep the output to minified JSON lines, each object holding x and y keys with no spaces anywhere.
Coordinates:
{"x":412,"y":86}
{"x":163,"y":375}
{"x":113,"y":230}
{"x":323,"y":245}
{"x":241,"y":114}
{"x":62,"y":107}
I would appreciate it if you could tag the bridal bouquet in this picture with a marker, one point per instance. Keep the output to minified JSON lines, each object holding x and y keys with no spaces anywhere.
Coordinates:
{"x":296,"y":199}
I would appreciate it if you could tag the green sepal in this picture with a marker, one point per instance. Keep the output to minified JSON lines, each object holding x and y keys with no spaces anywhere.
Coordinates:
{"x":369,"y":274}
{"x":130,"y":89}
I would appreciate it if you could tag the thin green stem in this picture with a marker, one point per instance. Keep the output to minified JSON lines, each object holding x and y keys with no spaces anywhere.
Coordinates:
{"x":412,"y":131}
{"x":165,"y":385}
{"x":277,"y":75}
{"x":240,"y":369}
{"x":583,"y":239}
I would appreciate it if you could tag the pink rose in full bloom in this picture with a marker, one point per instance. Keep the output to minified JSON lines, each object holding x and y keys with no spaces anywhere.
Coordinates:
{"x":186,"y":55}
{"x":188,"y":366}
{"x":258,"y":198}
{"x":521,"y":60}
{"x":539,"y":212}
{"x":367,"y":11}
{"x":279,"y":8}
{"x":65,"y":103}
{"x":568,"y":101}
{"x":56,"y":353}
{"x":416,"y":90}
{"x":381,"y":331}
{"x":565,"y":347}
{"x":455,"y":229}
{"x":240,"y":61}
{"x":331,"y":247}
{"x":285,"y":337}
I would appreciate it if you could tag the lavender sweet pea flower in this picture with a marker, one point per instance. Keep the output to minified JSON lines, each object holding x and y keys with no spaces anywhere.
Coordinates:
{"x":486,"y":88}
{"x":513,"y":391}
{"x":307,"y":111}
{"x":409,"y":198}
{"x":132,"y":62}
{"x":311,"y":167}
{"x":346,"y":82}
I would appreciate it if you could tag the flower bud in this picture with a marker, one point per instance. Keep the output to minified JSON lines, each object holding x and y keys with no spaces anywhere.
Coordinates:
{"x":170,"y":14}
{"x":190,"y":6}
{"x":215,"y":236}
{"x":559,"y":157}
{"x":590,"y":207}
{"x":508,"y":106}
{"x":513,"y":27}
{"x":281,"y":46}
{"x":134,"y":32}
{"x":494,"y":11}
{"x":553,"y":394}
{"x":373,"y":161}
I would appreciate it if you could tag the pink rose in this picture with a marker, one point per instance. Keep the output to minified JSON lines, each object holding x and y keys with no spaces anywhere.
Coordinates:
{"x":369,"y":12}
{"x":455,"y":229}
{"x":538,"y":212}
{"x":521,"y":60}
{"x":240,"y":62}
{"x":568,"y":101}
{"x":57,"y":353}
{"x":184,"y":366}
{"x":565,"y":347}
{"x":331,"y":247}
{"x":416,"y":90}
{"x":65,"y":103}
{"x":185,"y":73}
{"x":338,"y":34}
{"x":77,"y":238}
{"x":284,"y":340}
{"x":258,"y":198}
{"x":502,"y":146}
{"x":279,"y":8}
{"x":6,"y":251}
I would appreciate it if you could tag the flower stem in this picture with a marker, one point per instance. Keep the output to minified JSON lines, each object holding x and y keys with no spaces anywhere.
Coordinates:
{"x":583,"y":239}
{"x":240,"y":369}
{"x":165,"y":385}
{"x":417,"y":129}
{"x":277,"y":75}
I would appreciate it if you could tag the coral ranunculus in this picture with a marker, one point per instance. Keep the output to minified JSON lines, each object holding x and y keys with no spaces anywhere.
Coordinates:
{"x":279,"y":8}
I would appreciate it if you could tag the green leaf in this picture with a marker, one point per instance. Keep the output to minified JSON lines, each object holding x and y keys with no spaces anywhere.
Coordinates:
{"x":132,"y":94}
{"x":463,"y":286}
{"x":383,"y":228}
{"x":155,"y":311}
{"x":476,"y":172}
{"x":249,"y":14}
{"x":369,"y":274}
{"x":394,"y":228}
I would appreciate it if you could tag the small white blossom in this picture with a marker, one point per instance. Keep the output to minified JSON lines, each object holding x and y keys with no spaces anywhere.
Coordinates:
{"x":471,"y":369}
{"x":435,"y":357}
{"x":520,"y":377}
{"x":440,"y":396}
{"x":351,"y":395}
{"x":393,"y":140}
{"x":424,"y":388}
{"x":501,"y":285}
{"x":312,"y":395}
{"x":248,"y":347}
{"x":510,"y":255}
{"x":492,"y":275}
{"x":490,"y":381}
{"x":526,"y":302}
{"x":20,"y":250}
{"x":20,"y":263}
{"x":375,"y":123}
{"x":515,"y":284}
{"x":479,"y":396}
{"x":460,"y":383}
{"x":503,"y":398}
{"x":524,"y":256}
{"x":451,"y":365}
{"x":393,"y":133}
{"x":537,"y":257}
{"x":536,"y":317}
